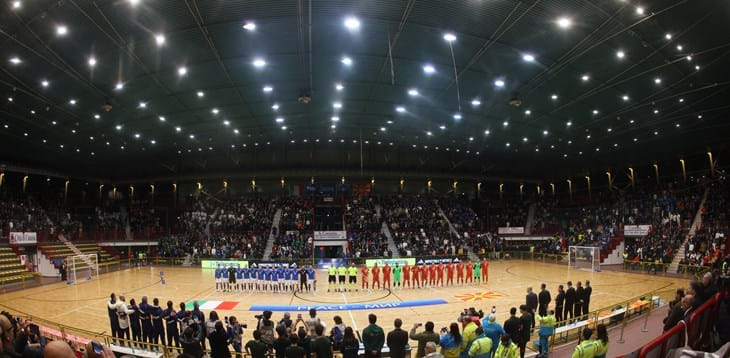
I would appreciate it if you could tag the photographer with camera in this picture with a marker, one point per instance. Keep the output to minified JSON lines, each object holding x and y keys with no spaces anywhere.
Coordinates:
{"x":424,"y":337}
{"x":235,"y":334}
{"x":190,"y":342}
{"x":20,"y":337}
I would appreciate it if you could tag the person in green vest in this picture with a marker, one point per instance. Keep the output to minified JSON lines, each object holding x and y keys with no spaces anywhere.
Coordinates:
{"x":352,"y":277}
{"x":341,"y":273}
{"x":547,"y":329}
{"x":724,"y":267}
{"x":587,"y":347}
{"x":397,"y":270}
{"x":601,"y":341}
{"x":332,"y":277}
{"x":507,"y":348}
{"x":478,"y":272}
{"x":482,"y":346}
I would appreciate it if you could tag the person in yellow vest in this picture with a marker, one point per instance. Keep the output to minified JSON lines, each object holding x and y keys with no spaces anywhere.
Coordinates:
{"x":507,"y":348}
{"x":547,"y":329}
{"x":587,"y":347}
{"x":341,"y":273}
{"x":468,"y":336}
{"x":332,"y":277}
{"x":601,"y":341}
{"x":352,"y":277}
{"x":482,"y":346}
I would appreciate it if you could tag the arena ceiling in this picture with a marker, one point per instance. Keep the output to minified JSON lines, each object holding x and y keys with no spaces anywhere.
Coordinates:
{"x":535,"y":88}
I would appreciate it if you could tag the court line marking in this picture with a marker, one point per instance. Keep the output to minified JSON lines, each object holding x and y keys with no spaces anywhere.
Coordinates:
{"x":354,"y":324}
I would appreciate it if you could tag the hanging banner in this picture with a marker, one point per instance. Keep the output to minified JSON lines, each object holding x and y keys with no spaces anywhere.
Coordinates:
{"x":330,"y":235}
{"x":392,"y":262}
{"x":211,"y":264}
{"x":22,"y":238}
{"x":438,"y":261}
{"x":636,"y":230}
{"x":511,"y":230}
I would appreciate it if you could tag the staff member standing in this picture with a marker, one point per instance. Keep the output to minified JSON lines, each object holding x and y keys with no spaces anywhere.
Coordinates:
{"x":531,"y":303}
{"x":579,"y":296}
{"x":569,"y":301}
{"x":302,"y":279}
{"x":587,"y":297}
{"x":559,"y":301}
{"x":544,"y":300}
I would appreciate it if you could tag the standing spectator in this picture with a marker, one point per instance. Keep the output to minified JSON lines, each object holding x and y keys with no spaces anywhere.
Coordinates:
{"x":512,"y":326}
{"x":350,"y":344}
{"x":482,"y":346}
{"x":579,"y":297}
{"x":587,"y":297}
{"x":559,"y":301}
{"x":373,"y":338}
{"x":424,"y":337}
{"x":199,"y":319}
{"x":431,"y":352}
{"x":531,"y":303}
{"x":294,"y":350}
{"x":312,"y":321}
{"x":397,"y":340}
{"x":526,"y":322}
{"x":337,"y":334}
{"x":507,"y":348}
{"x":190,"y":342}
{"x":601,"y":340}
{"x":266,"y":327}
{"x":123,"y":313}
{"x":587,"y":347}
{"x":450,"y":341}
{"x":544,"y":300}
{"x":256,"y":348}
{"x":321,"y":345}
{"x":569,"y":301}
{"x":282,"y":342}
{"x":219,"y":342}
{"x":493,"y":330}
{"x":235,"y":333}
{"x":468,"y":334}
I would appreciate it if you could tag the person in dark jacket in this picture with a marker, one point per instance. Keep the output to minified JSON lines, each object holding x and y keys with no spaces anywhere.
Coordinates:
{"x":526,"y":324}
{"x":158,"y":330}
{"x":373,"y":338}
{"x":134,"y":321}
{"x":569,"y":301}
{"x":170,"y":316}
{"x":282,"y":342}
{"x":587,"y":297}
{"x":145,"y":311}
{"x":512,"y":325}
{"x":112,"y":312}
{"x":190,"y":343}
{"x":350,"y":344}
{"x":579,"y":297}
{"x":543,"y":300}
{"x":531,"y":303}
{"x":295,"y":350}
{"x":559,"y":302}
{"x":397,"y":340}
{"x":219,"y":342}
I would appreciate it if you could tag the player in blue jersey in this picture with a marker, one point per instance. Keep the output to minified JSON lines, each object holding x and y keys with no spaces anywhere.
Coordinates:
{"x":224,"y":282}
{"x":281,"y":274}
{"x":246,"y":278}
{"x":219,"y":278}
{"x":293,"y":279}
{"x":239,"y":278}
{"x":312,"y":282}
{"x":271,"y":279}
{"x":260,"y":279}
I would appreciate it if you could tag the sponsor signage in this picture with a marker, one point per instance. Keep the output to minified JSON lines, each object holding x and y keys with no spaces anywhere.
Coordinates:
{"x":330,"y":235}
{"x":267,"y":264}
{"x":347,"y":307}
{"x":528,"y":238}
{"x":223,"y":263}
{"x":23,"y":238}
{"x":511,"y":230}
{"x":327,"y":263}
{"x":636,"y":230}
{"x":392,"y":262}
{"x":447,"y":260}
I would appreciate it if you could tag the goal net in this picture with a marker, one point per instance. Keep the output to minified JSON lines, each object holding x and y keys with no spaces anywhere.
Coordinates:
{"x":82,"y":267}
{"x":584,"y":257}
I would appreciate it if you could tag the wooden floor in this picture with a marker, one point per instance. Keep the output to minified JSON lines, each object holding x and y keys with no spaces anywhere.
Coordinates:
{"x":84,"y":305}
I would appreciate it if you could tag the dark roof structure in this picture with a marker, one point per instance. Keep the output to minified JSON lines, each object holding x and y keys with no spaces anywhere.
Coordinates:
{"x":129,"y":89}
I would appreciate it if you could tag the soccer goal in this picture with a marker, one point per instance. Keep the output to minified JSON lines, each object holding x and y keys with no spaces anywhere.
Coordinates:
{"x":82,"y":267}
{"x":584,"y":257}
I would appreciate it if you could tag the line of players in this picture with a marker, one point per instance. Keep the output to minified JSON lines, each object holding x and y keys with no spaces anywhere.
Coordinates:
{"x":415,"y":276}
{"x":265,"y":279}
{"x":343,"y":278}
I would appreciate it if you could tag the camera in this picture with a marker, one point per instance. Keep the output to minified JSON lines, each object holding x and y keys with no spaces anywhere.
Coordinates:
{"x":259,"y":316}
{"x":244,"y":325}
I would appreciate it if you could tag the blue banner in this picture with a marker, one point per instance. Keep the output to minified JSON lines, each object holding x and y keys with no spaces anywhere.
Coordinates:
{"x":346,"y":307}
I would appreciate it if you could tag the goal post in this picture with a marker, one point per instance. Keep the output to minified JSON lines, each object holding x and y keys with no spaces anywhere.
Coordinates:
{"x":83,"y":267}
{"x":584,"y":257}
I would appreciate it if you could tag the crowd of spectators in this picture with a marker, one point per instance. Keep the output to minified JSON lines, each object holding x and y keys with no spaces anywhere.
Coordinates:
{"x":364,"y":229}
{"x":417,"y":226}
{"x":709,"y":244}
{"x":22,"y":215}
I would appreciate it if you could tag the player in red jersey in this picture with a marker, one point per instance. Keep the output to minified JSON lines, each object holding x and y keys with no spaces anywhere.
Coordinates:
{"x":440,"y":274}
{"x":459,"y":273}
{"x":424,"y":276}
{"x":415,"y":271}
{"x":386,"y":276}
{"x":485,"y":271}
{"x":364,"y":273}
{"x":376,"y":276}
{"x":469,"y":271}
{"x":406,"y":276}
{"x":449,"y":274}
{"x":432,"y":275}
